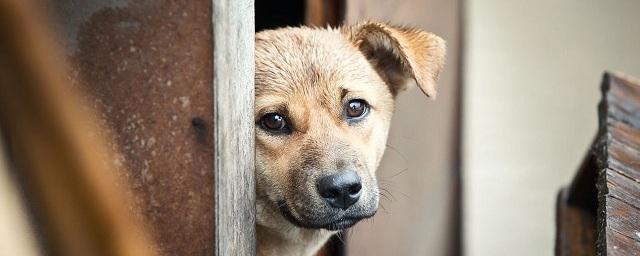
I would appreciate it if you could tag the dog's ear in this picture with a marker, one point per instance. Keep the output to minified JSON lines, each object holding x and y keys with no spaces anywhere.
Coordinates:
{"x":400,"y":55}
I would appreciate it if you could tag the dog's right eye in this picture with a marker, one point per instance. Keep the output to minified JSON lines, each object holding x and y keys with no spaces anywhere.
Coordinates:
{"x":274,"y":122}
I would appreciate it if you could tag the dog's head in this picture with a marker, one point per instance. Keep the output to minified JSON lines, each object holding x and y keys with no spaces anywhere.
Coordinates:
{"x":324,"y":99}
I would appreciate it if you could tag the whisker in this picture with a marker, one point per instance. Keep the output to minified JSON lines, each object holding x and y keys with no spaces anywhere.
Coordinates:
{"x":339,"y":236}
{"x":398,"y":173}
{"x":396,"y":189}
{"x":405,"y":159}
{"x":388,"y":193}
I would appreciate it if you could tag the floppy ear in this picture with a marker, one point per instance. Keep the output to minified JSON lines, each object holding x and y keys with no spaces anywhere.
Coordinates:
{"x":400,"y":54}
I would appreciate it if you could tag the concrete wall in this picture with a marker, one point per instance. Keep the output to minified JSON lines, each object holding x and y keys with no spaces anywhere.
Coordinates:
{"x":531,"y":87}
{"x":419,"y":165}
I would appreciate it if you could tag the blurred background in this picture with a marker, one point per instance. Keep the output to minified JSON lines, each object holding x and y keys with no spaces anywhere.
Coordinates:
{"x":475,"y":172}
{"x":531,"y":88}
{"x":526,"y":75}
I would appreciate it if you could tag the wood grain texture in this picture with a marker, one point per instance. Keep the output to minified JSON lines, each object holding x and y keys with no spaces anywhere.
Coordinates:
{"x":233,"y":83}
{"x":610,"y":173}
{"x":618,"y":150}
{"x":621,"y":245}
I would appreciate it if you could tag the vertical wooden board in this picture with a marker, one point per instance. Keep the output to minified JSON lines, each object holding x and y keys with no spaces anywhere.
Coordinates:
{"x":147,"y":67}
{"x":233,"y":83}
{"x":619,"y":133}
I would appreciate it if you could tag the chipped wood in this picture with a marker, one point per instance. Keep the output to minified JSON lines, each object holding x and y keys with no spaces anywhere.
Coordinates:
{"x":613,"y":176}
{"x":619,"y":167}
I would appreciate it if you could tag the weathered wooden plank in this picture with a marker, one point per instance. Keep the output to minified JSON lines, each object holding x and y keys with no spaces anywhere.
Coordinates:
{"x":625,"y":134}
{"x":622,"y":218}
{"x":622,"y":97}
{"x":625,"y":188}
{"x":621,"y":245}
{"x":623,"y":148}
{"x":623,"y":159}
{"x":618,"y":184}
{"x":233,"y":83}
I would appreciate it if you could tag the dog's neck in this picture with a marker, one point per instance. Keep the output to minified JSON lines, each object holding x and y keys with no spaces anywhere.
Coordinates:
{"x":307,"y":241}
{"x":277,"y":236}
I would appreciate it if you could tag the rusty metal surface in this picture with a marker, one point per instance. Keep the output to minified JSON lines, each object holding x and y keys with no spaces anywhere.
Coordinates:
{"x":147,"y":68}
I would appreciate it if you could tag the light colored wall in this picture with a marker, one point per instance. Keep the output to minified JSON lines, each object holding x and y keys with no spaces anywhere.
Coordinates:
{"x":419,"y":163}
{"x":533,"y":71}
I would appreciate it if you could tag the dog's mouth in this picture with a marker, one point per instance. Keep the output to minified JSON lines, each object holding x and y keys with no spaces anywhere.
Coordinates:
{"x":341,"y":223}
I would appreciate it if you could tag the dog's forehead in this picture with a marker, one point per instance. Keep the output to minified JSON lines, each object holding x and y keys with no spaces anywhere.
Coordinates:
{"x":293,"y":59}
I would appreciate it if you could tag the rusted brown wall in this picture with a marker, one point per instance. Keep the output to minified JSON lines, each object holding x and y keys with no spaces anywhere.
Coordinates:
{"x":147,"y":67}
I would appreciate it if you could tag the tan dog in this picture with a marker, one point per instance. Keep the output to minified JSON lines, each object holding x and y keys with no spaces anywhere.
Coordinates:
{"x":324,"y":99}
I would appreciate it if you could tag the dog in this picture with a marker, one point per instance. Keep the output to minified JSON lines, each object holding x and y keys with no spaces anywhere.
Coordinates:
{"x":324,"y":100}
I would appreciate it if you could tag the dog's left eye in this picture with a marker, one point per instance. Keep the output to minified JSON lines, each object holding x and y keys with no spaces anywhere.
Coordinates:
{"x":356,"y":108}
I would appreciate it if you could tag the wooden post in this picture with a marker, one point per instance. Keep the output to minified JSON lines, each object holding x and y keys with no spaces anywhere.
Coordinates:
{"x":233,"y":87}
{"x":618,"y":158}
{"x":599,"y":213}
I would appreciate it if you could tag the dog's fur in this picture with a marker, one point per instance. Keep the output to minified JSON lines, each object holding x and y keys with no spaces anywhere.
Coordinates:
{"x":308,"y":75}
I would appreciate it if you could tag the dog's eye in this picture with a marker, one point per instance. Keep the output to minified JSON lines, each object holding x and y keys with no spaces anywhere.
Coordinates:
{"x":356,"y":108}
{"x":273,"y":122}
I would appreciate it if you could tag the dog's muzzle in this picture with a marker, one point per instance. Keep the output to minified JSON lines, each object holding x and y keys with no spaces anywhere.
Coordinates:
{"x":339,"y":195}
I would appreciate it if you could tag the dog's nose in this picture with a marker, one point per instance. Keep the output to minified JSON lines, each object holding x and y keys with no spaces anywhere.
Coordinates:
{"x":340,"y":190}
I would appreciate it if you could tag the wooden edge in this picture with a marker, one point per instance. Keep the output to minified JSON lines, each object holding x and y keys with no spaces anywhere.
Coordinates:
{"x":234,"y":156}
{"x":619,"y":126}
{"x":582,"y":191}
{"x":65,"y":166}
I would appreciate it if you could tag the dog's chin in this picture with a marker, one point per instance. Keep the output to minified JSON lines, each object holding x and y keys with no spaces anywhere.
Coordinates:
{"x":339,"y":224}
